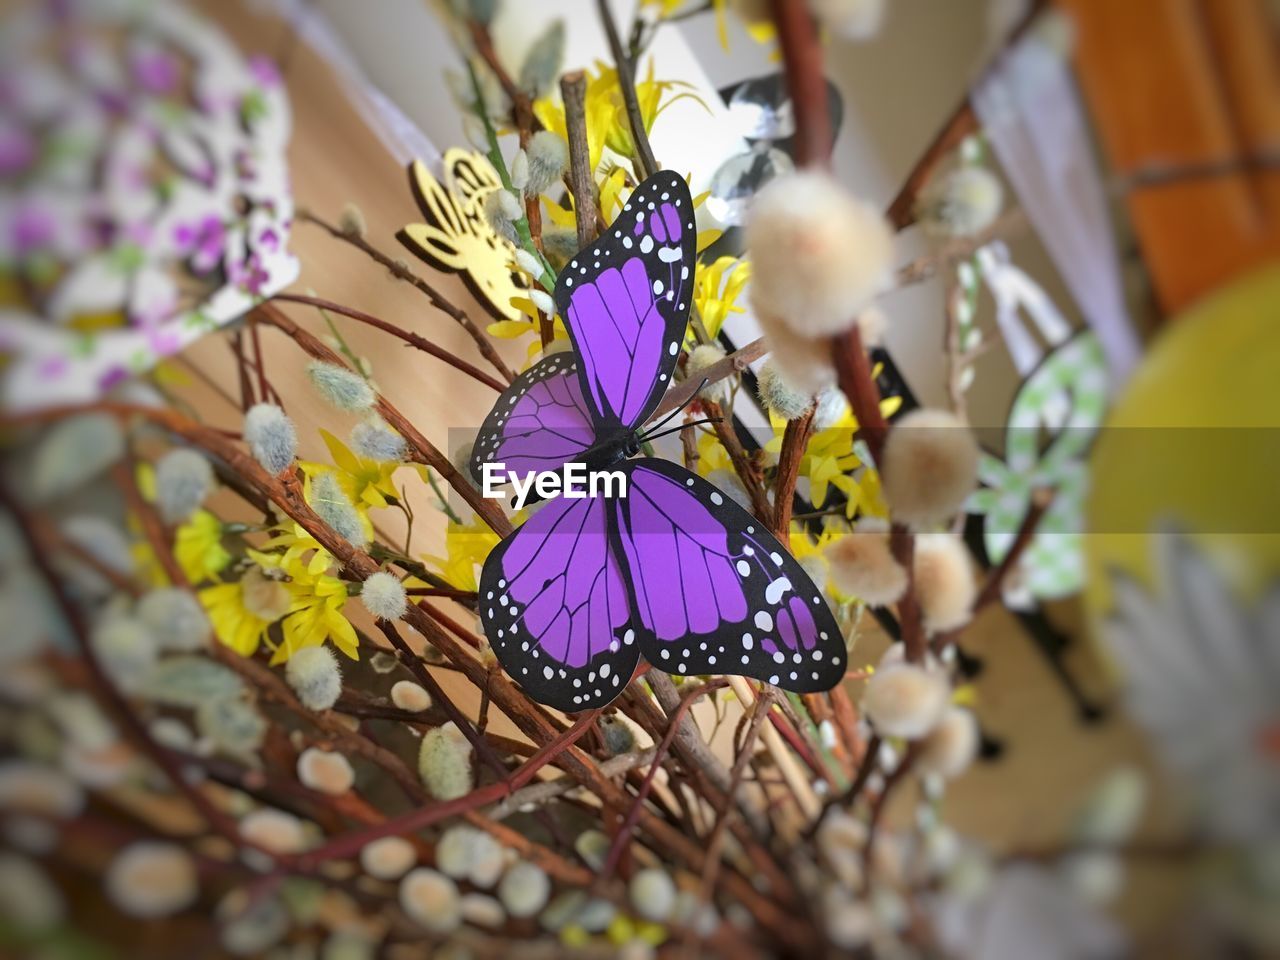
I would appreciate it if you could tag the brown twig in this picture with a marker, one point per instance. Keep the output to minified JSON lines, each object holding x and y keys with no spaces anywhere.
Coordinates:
{"x":747,"y":471}
{"x":853,"y":373}
{"x":903,"y":547}
{"x":437,"y":299}
{"x":802,"y":64}
{"x":961,"y":122}
{"x":674,"y":719}
{"x":645,"y":159}
{"x":759,"y":711}
{"x":905,"y":763}
{"x":794,"y":440}
{"x":423,"y":817}
{"x":573,"y":88}
{"x":726,"y":367}
{"x":409,"y":337}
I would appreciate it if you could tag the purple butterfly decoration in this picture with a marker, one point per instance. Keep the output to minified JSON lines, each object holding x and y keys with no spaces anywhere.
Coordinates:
{"x":675,"y":570}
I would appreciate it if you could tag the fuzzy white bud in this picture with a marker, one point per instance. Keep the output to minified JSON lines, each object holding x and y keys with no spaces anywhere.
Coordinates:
{"x":930,"y":467}
{"x":407,"y":695}
{"x":127,"y":650}
{"x":444,"y":762}
{"x":819,"y":255}
{"x":777,"y":394}
{"x":274,"y":830}
{"x":175,"y":618}
{"x":351,"y":222}
{"x":548,"y":160}
{"x":378,"y":442}
{"x":72,"y":452}
{"x":543,"y":302}
{"x":325,"y":771}
{"x":863,"y":566}
{"x":543,"y":61}
{"x":944,"y":581}
{"x":383,"y":596}
{"x":313,"y":674}
{"x":701,"y":359}
{"x":388,"y":858}
{"x":343,"y":388}
{"x":805,"y":364}
{"x":524,"y":889}
{"x":183,"y":481}
{"x":951,"y":747}
{"x":28,"y":788}
{"x":334,"y":507}
{"x":519,"y":170}
{"x":527,"y":262}
{"x":430,"y":899}
{"x":653,"y":894}
{"x":151,"y":879}
{"x":271,"y":437}
{"x":466,"y":853}
{"x":905,"y":699}
{"x":502,"y":210}
{"x":960,"y":202}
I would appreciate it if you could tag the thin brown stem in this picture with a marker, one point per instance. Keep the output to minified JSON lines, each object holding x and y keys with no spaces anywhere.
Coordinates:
{"x":573,"y":88}
{"x":401,"y":272}
{"x":726,"y":367}
{"x":712,"y":869}
{"x":794,"y":440}
{"x":747,"y":471}
{"x":645,"y":159}
{"x":408,"y":336}
{"x":623,"y":836}
{"x":802,"y":64}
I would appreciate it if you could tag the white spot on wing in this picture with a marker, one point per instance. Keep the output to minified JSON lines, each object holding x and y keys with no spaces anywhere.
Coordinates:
{"x":773,"y":593}
{"x":764,"y":620}
{"x":646,"y":243}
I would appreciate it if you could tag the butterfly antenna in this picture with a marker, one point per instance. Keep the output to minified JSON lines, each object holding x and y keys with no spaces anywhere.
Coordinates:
{"x":692,"y":423}
{"x":674,"y":413}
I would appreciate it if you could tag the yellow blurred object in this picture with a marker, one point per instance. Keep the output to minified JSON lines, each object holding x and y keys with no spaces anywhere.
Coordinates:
{"x":1185,"y":449}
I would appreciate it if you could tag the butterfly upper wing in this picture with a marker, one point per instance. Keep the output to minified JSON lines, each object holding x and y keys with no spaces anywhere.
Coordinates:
{"x":626,"y":298}
{"x":540,"y":422}
{"x":554,"y":606}
{"x":713,"y":591}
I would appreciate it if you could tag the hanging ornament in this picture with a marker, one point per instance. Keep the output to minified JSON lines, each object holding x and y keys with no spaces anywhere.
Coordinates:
{"x":457,"y":237}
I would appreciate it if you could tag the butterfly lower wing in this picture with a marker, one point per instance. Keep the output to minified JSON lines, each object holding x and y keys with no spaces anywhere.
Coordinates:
{"x":626,"y":300}
{"x":713,"y":591}
{"x":554,"y":606}
{"x":540,"y":422}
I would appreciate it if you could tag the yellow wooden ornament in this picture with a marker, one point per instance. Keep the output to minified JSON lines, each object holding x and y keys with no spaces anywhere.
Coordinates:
{"x":457,"y":237}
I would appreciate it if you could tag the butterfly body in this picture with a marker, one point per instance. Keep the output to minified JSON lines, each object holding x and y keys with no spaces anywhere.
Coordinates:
{"x":668,"y":566}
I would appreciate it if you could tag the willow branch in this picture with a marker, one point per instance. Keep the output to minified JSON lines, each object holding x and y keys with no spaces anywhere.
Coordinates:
{"x":794,"y":440}
{"x":747,"y":471}
{"x":627,"y":81}
{"x":401,"y":272}
{"x":573,"y":89}
{"x":674,"y":720}
{"x":806,"y":83}
{"x":409,"y":337}
{"x":426,"y":452}
{"x":723,"y":368}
